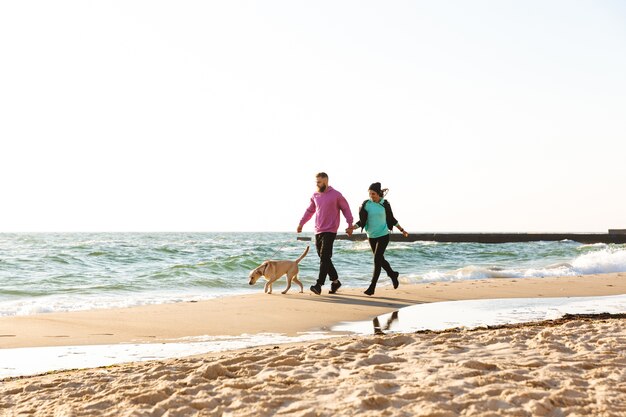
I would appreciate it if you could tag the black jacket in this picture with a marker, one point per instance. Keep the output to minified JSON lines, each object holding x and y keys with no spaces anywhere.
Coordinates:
{"x":391,"y":221}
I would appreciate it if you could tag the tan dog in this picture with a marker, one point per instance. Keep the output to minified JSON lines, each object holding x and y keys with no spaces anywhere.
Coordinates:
{"x":273,"y":270}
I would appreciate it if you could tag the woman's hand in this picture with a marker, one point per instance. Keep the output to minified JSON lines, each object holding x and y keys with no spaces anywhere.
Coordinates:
{"x":404,"y":232}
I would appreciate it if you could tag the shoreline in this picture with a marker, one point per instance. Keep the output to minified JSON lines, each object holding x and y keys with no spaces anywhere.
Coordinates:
{"x":570,"y":366}
{"x":548,"y":323}
{"x":288,"y":314}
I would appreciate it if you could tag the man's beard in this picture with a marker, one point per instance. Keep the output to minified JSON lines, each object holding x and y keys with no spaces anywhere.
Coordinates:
{"x":321,"y":188}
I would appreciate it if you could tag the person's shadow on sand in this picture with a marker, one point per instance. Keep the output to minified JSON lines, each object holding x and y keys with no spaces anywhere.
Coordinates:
{"x":368,"y":301}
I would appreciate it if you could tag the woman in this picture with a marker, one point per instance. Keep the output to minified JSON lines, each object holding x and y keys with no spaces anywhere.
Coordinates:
{"x":376,"y":217}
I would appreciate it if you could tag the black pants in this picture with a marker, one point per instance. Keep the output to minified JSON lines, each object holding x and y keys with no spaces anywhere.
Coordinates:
{"x":324,"y":244}
{"x":379,"y":244}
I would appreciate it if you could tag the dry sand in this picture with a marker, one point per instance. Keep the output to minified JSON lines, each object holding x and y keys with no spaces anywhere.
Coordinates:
{"x":276,"y":313}
{"x":573,"y":368}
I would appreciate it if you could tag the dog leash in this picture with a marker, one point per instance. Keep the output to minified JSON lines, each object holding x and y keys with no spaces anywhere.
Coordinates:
{"x":276,"y":251}
{"x":281,"y":248}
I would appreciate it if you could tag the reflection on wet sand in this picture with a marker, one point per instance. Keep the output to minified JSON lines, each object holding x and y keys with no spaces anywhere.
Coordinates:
{"x":378,"y":329}
{"x":470,"y":314}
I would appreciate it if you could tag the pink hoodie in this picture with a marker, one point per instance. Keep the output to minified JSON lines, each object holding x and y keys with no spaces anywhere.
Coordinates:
{"x":326,"y":207}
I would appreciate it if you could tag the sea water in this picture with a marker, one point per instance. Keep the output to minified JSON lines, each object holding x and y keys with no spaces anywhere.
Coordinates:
{"x":49,"y":272}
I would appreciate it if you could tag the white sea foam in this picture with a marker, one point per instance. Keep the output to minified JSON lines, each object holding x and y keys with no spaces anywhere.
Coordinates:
{"x":395,"y":246}
{"x":362,"y":246}
{"x":65,"y":303}
{"x":598,"y":262}
{"x":602,"y":261}
{"x":592,"y":245}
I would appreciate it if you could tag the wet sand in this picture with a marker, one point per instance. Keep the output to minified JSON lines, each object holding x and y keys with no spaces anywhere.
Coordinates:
{"x":276,"y":313}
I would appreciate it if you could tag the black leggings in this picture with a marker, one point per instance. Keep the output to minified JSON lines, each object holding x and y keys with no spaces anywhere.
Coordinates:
{"x":379,"y":244}
{"x":324,"y":245}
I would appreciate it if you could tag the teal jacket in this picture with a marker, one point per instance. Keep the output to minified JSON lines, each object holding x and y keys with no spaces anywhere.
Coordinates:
{"x":389,"y":218}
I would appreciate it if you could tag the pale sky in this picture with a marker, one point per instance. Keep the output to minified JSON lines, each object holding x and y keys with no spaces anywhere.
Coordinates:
{"x":215,"y":116}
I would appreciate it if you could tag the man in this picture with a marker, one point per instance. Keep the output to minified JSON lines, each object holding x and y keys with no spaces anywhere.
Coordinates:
{"x":326,"y":204}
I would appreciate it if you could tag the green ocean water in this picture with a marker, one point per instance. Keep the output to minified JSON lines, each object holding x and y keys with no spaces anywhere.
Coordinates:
{"x":43,"y":272}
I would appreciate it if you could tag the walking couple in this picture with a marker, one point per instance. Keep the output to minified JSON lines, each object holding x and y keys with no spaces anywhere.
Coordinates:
{"x":375,"y":216}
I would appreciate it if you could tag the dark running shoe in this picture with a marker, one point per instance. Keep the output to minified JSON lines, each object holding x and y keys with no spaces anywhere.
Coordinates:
{"x":394,"y":279}
{"x":334,"y":286}
{"x":316,"y":289}
{"x":370,"y":290}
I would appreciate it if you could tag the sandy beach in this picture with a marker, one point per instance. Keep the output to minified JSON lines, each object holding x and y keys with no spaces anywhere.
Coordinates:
{"x":165,"y":162}
{"x":276,"y":313}
{"x":558,"y":368}
{"x":566,"y":367}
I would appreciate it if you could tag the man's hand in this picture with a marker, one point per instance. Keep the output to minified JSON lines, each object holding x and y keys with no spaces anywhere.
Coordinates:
{"x":349,"y":230}
{"x":299,"y":228}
